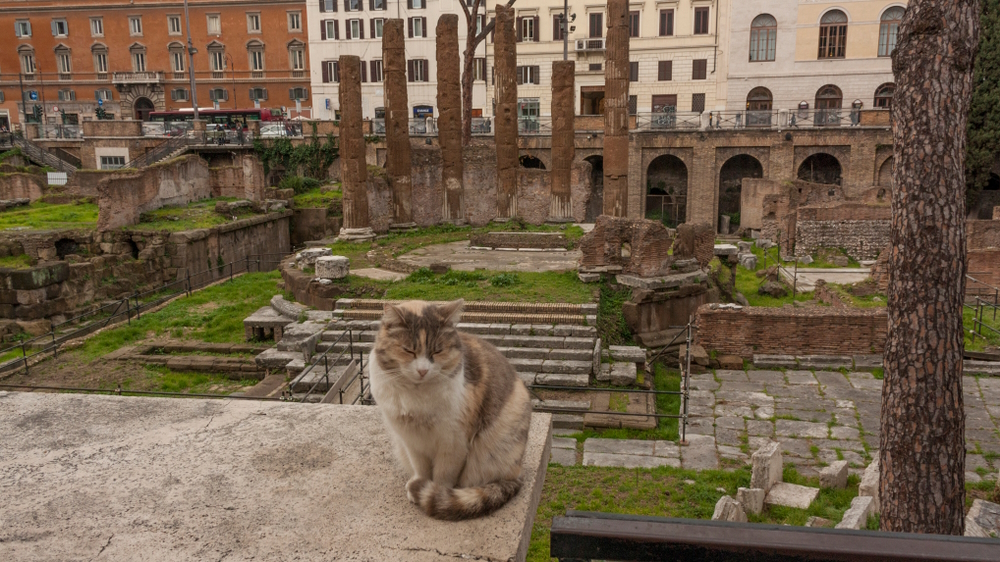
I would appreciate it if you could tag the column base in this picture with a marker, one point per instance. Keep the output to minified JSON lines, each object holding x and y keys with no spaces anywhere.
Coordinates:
{"x":356,"y":234}
{"x":402,"y":227}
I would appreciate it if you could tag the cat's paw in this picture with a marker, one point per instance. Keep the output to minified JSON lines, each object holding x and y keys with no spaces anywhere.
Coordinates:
{"x":413,"y":488}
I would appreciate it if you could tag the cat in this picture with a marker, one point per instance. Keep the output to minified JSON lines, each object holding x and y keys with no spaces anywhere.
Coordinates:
{"x":455,"y":409}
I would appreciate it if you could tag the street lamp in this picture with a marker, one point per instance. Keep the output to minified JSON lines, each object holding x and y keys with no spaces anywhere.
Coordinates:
{"x":191,"y":51}
{"x":232,"y":72}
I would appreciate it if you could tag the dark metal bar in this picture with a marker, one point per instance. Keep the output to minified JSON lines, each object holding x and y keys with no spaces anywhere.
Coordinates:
{"x":605,"y":536}
{"x":119,"y":391}
{"x":593,"y":389}
{"x":609,"y":413}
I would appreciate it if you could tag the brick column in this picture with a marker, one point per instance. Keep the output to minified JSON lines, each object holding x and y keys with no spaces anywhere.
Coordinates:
{"x":353,"y":167}
{"x":505,"y":56}
{"x":616,"y":71}
{"x":397,"y":123}
{"x":449,"y":99}
{"x":563,"y":139}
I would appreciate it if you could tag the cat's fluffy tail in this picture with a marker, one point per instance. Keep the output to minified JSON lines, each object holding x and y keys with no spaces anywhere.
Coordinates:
{"x":455,"y":504}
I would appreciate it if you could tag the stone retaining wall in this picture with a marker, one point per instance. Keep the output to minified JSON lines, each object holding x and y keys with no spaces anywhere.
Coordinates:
{"x":860,"y":239}
{"x":21,"y":186}
{"x":983,"y":234}
{"x":791,"y":331}
{"x":123,"y":198}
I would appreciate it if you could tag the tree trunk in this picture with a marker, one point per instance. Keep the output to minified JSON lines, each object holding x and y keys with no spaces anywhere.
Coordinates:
{"x":922,"y":452}
{"x":468,"y":73}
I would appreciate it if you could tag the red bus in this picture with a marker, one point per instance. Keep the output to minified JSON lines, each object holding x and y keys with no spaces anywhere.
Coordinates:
{"x":223,"y":116}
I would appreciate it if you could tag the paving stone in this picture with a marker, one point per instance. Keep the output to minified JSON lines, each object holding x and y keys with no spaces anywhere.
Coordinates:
{"x":562,"y":379}
{"x":618,"y":446}
{"x":731,"y":375}
{"x":757,"y":442}
{"x":732,"y":453}
{"x":791,"y":495}
{"x":699,"y":453}
{"x":832,"y":379}
{"x":731,"y":437}
{"x":563,"y":366}
{"x":733,"y":411}
{"x":983,"y":520}
{"x":767,"y":466}
{"x":741,"y":386}
{"x":730,"y":423}
{"x":752,"y":499}
{"x":564,"y":457}
{"x":867,"y":361}
{"x":800,"y":377}
{"x":766,"y":377}
{"x":666,"y":449}
{"x":794,"y":447}
{"x":563,"y":443}
{"x":869,"y":484}
{"x":703,"y":382}
{"x":623,"y":374}
{"x":853,"y":458}
{"x":972,"y":478}
{"x":864,"y":381}
{"x":764,"y":413}
{"x":628,"y":461}
{"x":845,"y":417}
{"x":562,"y":431}
{"x":774,"y":361}
{"x":728,"y":509}
{"x":700,"y":426}
{"x":567,"y":421}
{"x":834,"y":475}
{"x":840,"y":432}
{"x":627,"y":353}
{"x":856,"y":516}
{"x":788,"y":428}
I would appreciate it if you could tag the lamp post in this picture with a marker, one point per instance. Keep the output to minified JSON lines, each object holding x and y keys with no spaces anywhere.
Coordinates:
{"x":191,"y":51}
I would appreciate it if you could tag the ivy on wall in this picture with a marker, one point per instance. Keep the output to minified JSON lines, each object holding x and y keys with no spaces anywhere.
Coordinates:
{"x":313,"y":157}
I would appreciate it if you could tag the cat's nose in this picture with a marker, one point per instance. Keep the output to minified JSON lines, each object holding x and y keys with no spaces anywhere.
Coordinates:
{"x":422,"y":372}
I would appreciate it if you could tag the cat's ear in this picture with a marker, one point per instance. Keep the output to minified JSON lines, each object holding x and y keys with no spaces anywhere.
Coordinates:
{"x":393,"y":316}
{"x":452,"y":312}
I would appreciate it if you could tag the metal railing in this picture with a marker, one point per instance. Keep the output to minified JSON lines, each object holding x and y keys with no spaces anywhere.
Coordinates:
{"x":668,"y":120}
{"x":162,"y":151}
{"x":534,"y":126}
{"x":346,"y":377}
{"x":423,"y":127}
{"x":122,"y":310}
{"x":38,"y":154}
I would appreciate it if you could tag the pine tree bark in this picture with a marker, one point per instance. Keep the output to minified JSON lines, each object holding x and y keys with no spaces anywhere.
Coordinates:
{"x":922,"y":452}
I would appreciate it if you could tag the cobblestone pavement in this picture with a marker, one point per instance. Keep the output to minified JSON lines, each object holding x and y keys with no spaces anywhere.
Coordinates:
{"x":818,"y":417}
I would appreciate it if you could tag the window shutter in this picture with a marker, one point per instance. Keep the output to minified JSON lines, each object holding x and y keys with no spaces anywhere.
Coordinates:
{"x":492,"y":29}
{"x":361,"y":29}
{"x":347,"y":5}
{"x":364,"y":72}
{"x":519,"y":75}
{"x":535,"y":29}
{"x":409,"y":27}
{"x":336,"y":29}
{"x":664,"y":70}
{"x":291,"y":93}
{"x":322,"y":29}
{"x":326,"y":72}
{"x":423,"y":27}
{"x":633,"y":71}
{"x":409,"y":4}
{"x":322,"y":6}
{"x":53,"y":23}
{"x":536,"y":79}
{"x":371,"y":5}
{"x":29,"y":27}
{"x":97,"y":95}
{"x":225,"y":95}
{"x":211,"y":95}
{"x":409,"y":71}
{"x":518,"y":26}
{"x":333,"y":5}
{"x":372,"y":22}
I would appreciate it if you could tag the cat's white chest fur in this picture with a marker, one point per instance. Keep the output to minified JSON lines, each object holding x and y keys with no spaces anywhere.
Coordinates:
{"x":418,"y":410}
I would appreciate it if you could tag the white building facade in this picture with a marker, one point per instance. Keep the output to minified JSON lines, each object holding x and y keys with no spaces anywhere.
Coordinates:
{"x":354,"y":27}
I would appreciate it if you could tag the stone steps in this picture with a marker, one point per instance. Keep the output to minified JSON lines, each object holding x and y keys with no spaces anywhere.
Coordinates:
{"x":486,"y":317}
{"x":541,"y":353}
{"x":481,"y":306}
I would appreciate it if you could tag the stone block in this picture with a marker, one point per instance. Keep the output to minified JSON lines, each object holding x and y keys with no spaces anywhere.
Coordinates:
{"x":731,"y":362}
{"x":744,"y":247}
{"x":983,"y":519}
{"x":748,"y":260}
{"x":564,"y":457}
{"x":332,"y":267}
{"x":307,"y":258}
{"x":791,"y":495}
{"x":856,"y":516}
{"x":826,"y":361}
{"x":774,"y":361}
{"x":766,"y":466}
{"x":869,"y":485}
{"x":623,"y":374}
{"x":806,"y":260}
{"x":627,"y":353}
{"x":818,"y":522}
{"x":834,"y":476}
{"x":728,"y":509}
{"x":752,"y":499}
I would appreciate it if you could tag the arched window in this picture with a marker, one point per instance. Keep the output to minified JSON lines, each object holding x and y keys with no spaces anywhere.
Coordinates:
{"x":138,"y":52}
{"x":759,"y":104}
{"x":833,"y":35}
{"x":255,"y":49}
{"x":889,"y":30}
{"x":297,"y":56}
{"x":27,"y":55}
{"x":64,"y":61}
{"x":100,"y":54}
{"x":176,"y":51}
{"x":829,"y":101}
{"x":763,"y":38}
{"x":883,"y":95}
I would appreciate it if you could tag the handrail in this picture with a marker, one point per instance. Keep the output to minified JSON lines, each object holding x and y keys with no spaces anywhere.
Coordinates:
{"x":162,"y":150}
{"x":326,"y":366}
{"x":39,"y":154}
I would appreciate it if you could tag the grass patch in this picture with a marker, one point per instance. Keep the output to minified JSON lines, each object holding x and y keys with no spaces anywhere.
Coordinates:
{"x":548,"y":286}
{"x":20,"y":261}
{"x":212,"y":315}
{"x":45,"y":216}
{"x":162,"y":379}
{"x":315,"y":198}
{"x":989,"y":338}
{"x":662,"y":492}
{"x":611,"y":324}
{"x":618,"y":402}
{"x":200,"y":214}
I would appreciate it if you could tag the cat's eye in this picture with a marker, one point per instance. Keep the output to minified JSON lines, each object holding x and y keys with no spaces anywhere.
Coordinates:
{"x":410,"y":351}
{"x":439,"y":351}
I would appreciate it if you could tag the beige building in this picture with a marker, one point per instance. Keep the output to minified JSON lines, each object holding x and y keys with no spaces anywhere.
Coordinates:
{"x":813,"y":57}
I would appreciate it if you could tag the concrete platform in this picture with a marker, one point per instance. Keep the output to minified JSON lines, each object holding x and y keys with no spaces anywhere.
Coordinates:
{"x":126,"y":478}
{"x":462,"y":258}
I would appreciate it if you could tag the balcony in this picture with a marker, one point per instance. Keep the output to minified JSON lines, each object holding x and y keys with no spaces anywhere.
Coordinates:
{"x":593,"y":44}
{"x":137,"y":78}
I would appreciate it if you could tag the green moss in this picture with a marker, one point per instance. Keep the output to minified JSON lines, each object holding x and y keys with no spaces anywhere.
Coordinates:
{"x":20,"y":261}
{"x":199,"y":214}
{"x":45,"y":216}
{"x":549,"y":286}
{"x":315,"y":198}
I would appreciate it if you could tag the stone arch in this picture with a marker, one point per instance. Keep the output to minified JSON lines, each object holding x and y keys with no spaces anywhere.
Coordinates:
{"x":667,"y":189}
{"x":142,"y":107}
{"x":993,"y":184}
{"x":131,"y":93}
{"x":885,"y":178}
{"x":595,"y":203}
{"x":731,"y":177}
{"x":531,"y":162}
{"x":821,"y":168}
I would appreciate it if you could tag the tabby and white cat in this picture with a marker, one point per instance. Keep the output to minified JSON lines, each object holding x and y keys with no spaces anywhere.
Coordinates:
{"x":456,"y":410}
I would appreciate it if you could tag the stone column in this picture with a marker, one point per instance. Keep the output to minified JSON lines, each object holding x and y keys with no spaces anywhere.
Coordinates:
{"x":563,"y":140}
{"x":616,"y":71}
{"x":397,"y":123}
{"x":449,"y":99}
{"x":353,"y":167}
{"x":505,"y":118}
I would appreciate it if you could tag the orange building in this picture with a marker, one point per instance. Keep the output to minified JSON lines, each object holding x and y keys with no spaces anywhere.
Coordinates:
{"x":72,"y":58}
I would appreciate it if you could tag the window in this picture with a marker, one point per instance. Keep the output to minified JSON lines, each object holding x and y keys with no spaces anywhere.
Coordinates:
{"x":135,"y":25}
{"x":527,"y":28}
{"x":97,"y":27}
{"x":701,"y":21}
{"x":698,"y":103}
{"x":377,"y":24}
{"x":376,"y":5}
{"x":633,"y":105}
{"x":416,"y":4}
{"x":763,"y":38}
{"x":352,"y":5}
{"x":64,"y":60}
{"x":173,"y":25}
{"x":218,"y":94}
{"x":217,"y":58}
{"x":256,"y":60}
{"x":883,"y":95}
{"x":214,"y":24}
{"x":104,"y":94}
{"x":327,"y":6}
{"x":889,"y":30}
{"x":294,"y":21}
{"x":177,"y":58}
{"x":297,"y":58}
{"x":67,"y":95}
{"x":100,"y":53}
{"x":253,"y":23}
{"x":376,"y":67}
{"x":664,"y":104}
{"x":112,"y":162}
{"x":633,"y":24}
{"x":27,"y":60}
{"x":355,"y":30}
{"x":22,"y":28}
{"x":479,"y":70}
{"x":179,"y":94}
{"x":665,"y":70}
{"x":759,"y":105}
{"x":416,"y":70}
{"x":139,"y":61}
{"x":699,"y":69}
{"x":528,"y":75}
{"x":60,"y":28}
{"x":329,"y":29}
{"x":833,"y":35}
{"x":829,"y":100}
{"x":595,"y":66}
{"x":666,"y":23}
{"x":480,"y":23}
{"x":633,"y":71}
{"x":596,"y":25}
{"x":557,"y":28}
{"x":295,"y":94}
{"x":418,"y":27}
{"x":331,"y":71}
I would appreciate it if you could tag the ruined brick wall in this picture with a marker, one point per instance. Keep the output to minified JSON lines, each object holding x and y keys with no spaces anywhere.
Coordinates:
{"x":984,"y":266}
{"x":245,"y":180}
{"x":982,"y":234}
{"x":862,"y":230}
{"x":112,"y":128}
{"x":426,"y":183}
{"x":634,"y":246}
{"x":122,"y":198}
{"x":197,"y":251}
{"x":792,"y":331}
{"x":21,"y":186}
{"x":996,"y":213}
{"x":533,"y":194}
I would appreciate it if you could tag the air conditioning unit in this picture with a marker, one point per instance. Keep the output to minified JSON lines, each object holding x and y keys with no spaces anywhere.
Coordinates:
{"x":581,"y":45}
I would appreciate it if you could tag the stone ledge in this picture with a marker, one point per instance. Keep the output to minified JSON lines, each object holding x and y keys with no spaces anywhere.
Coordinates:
{"x":200,"y":470}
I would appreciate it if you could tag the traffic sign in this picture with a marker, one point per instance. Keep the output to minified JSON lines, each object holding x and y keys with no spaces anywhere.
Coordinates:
{"x":100,"y":102}
{"x":33,"y":95}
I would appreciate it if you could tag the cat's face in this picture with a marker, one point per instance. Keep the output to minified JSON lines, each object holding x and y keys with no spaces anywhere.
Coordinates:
{"x":418,"y":343}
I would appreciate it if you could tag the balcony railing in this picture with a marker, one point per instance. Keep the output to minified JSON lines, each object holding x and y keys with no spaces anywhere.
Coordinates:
{"x":155,"y":77}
